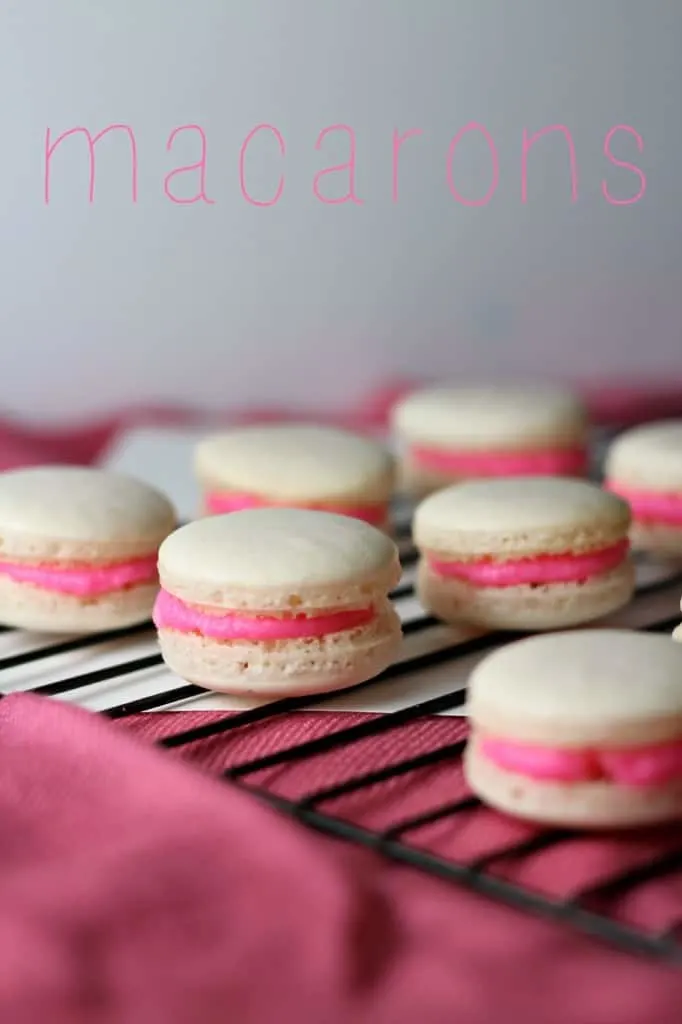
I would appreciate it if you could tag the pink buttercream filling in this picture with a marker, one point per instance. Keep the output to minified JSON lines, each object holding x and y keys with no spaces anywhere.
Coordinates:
{"x":649,"y":506}
{"x":82,"y":580}
{"x":172,"y":613}
{"x":218,"y":502}
{"x":538,"y":462}
{"x":566,"y":568}
{"x":640,"y":766}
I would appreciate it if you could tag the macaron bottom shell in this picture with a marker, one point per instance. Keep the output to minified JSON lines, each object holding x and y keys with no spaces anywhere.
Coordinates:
{"x":593,"y":805}
{"x":287,"y":667}
{"x":544,"y":606}
{"x":662,"y":539}
{"x":25,"y":606}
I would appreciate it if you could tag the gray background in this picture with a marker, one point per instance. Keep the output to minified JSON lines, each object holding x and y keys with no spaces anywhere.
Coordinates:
{"x":304,"y":302}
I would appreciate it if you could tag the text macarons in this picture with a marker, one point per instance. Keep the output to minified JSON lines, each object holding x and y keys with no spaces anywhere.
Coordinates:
{"x":644,"y":466}
{"x":78,"y":548}
{"x":579,"y":729}
{"x":295,"y":466}
{"x":277,"y":602}
{"x":453,"y":434}
{"x":531,"y":553}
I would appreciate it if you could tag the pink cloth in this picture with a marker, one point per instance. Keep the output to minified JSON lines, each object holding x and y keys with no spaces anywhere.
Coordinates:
{"x":136,"y":890}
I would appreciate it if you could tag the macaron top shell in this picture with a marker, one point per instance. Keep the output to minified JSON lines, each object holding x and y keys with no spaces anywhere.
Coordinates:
{"x":276,"y":558}
{"x":491,"y":417}
{"x":602,"y":687}
{"x":296,"y":462}
{"x":71,"y":513}
{"x":521,"y":515}
{"x":648,"y":457}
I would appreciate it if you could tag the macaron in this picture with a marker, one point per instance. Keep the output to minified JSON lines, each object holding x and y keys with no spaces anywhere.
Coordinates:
{"x":297,"y":466}
{"x":527,"y":553}
{"x":277,"y":602}
{"x":579,"y":729}
{"x":78,"y":548}
{"x":644,"y":466}
{"x":452,"y":434}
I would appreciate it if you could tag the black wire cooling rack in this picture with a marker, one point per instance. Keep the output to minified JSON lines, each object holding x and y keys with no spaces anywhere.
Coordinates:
{"x":655,"y":609}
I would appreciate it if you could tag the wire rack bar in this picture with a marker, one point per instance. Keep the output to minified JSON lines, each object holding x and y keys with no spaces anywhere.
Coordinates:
{"x":449,"y":751}
{"x":430,"y":817}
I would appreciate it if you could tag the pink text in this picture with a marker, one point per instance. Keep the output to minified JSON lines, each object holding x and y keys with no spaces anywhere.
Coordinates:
{"x":336,"y":184}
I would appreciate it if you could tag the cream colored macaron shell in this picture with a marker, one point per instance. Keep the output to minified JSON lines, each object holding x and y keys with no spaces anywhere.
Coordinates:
{"x":277,"y":601}
{"x":579,"y":729}
{"x":78,"y":548}
{"x":452,"y":434}
{"x":529,"y":553}
{"x":296,"y":465}
{"x":644,"y":466}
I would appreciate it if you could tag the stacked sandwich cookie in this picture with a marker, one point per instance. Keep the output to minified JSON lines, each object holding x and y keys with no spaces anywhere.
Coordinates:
{"x":529,"y":553}
{"x":297,"y":466}
{"x":644,"y":466}
{"x":277,"y":602}
{"x":579,"y":729}
{"x":78,"y":549}
{"x":453,"y":434}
